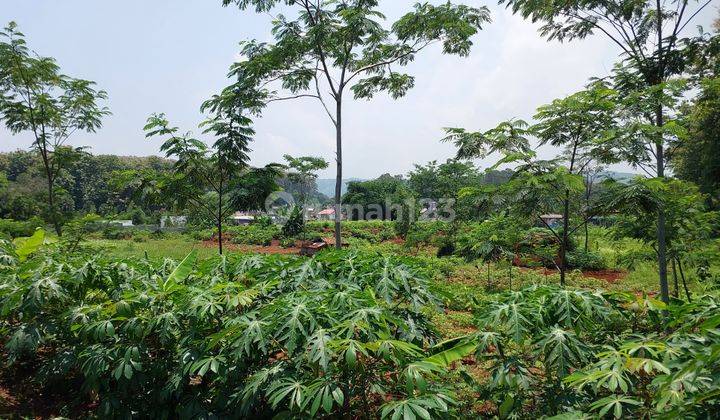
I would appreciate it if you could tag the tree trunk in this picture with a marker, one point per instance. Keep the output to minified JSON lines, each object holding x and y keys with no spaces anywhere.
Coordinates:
{"x":51,"y":202}
{"x":339,"y":176}
{"x":682,"y":276}
{"x":660,"y":157}
{"x":675,"y":279}
{"x":564,"y":244}
{"x":661,"y":239}
{"x":220,"y":238}
{"x":219,"y":220}
{"x":587,"y":235}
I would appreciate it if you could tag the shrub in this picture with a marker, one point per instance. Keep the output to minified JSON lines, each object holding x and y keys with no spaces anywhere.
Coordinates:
{"x":549,"y":350}
{"x":263,"y":221}
{"x":295,"y":224}
{"x":583,"y":260}
{"x":202,"y":234}
{"x":373,"y":231}
{"x":117,"y":233}
{"x":494,"y":239}
{"x":427,"y":233}
{"x":629,"y":259}
{"x":287,"y":243}
{"x":141,"y":236}
{"x":17,"y":229}
{"x":253,"y":234}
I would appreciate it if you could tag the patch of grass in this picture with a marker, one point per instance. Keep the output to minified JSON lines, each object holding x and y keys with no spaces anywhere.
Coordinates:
{"x":176,"y":248}
{"x":454,"y":323}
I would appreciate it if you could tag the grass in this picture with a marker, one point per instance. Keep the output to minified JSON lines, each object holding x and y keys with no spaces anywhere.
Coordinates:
{"x":175,"y":247}
{"x":458,"y":282}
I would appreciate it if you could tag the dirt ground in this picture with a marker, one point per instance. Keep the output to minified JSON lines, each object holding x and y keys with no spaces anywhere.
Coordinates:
{"x":610,"y":276}
{"x":254,"y":248}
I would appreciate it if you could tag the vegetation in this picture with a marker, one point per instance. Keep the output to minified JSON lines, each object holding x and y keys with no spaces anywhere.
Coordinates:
{"x":343,"y":48}
{"x":650,"y":37}
{"x":230,"y":336}
{"x":340,"y":334}
{"x":37,"y":98}
{"x":528,"y":289}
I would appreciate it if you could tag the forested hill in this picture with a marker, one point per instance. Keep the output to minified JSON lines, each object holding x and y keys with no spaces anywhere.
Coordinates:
{"x":118,"y":185}
{"x":92,"y":183}
{"x":326,"y":186}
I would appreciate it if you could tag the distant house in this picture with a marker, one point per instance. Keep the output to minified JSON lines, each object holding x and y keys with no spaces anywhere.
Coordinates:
{"x":121,"y":223}
{"x":173,"y":221}
{"x":551,"y":220}
{"x":327,"y":214}
{"x":242,"y":218}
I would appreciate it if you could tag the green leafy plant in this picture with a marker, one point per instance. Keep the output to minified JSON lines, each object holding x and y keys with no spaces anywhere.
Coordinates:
{"x":240,"y":336}
{"x":295,"y":225}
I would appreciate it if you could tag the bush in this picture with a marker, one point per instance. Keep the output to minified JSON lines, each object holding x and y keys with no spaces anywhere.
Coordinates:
{"x":117,"y":233}
{"x":287,"y":243}
{"x":629,"y":259}
{"x":372,"y":231}
{"x":539,"y":239}
{"x":494,"y":239}
{"x":254,"y":234}
{"x":18,"y":229}
{"x":295,"y":224}
{"x":427,"y":233}
{"x":141,"y":236}
{"x":202,"y":234}
{"x":590,"y":260}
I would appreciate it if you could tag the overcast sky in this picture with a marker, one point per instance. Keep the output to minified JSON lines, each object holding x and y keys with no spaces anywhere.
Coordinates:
{"x":170,"y":55}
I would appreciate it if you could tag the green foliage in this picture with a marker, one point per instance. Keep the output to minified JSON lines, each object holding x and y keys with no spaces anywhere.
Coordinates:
{"x":241,"y":337}
{"x":202,"y":175}
{"x":77,"y":231}
{"x":573,"y":350}
{"x":253,"y":234}
{"x":687,"y":221}
{"x":586,"y":260}
{"x":15,"y":228}
{"x":36,"y":98}
{"x":375,"y":199}
{"x":303,"y":175}
{"x":295,"y":224}
{"x":24,"y":247}
{"x":251,"y":188}
{"x":494,"y":239}
{"x":697,"y":158}
{"x":427,"y":233}
{"x":437,"y":181}
{"x":407,"y":212}
{"x":372,"y":231}
{"x":332,"y":49}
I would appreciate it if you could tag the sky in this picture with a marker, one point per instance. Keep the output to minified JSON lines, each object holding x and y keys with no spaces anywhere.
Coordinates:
{"x":170,"y":55}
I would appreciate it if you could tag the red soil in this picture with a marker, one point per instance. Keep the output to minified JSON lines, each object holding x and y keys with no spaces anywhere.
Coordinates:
{"x":254,"y":248}
{"x":610,"y":276}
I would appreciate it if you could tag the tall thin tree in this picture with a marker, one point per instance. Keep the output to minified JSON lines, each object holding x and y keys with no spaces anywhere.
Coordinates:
{"x":333,"y":47}
{"x":650,"y":35}
{"x":36,"y":98}
{"x":200,"y":170}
